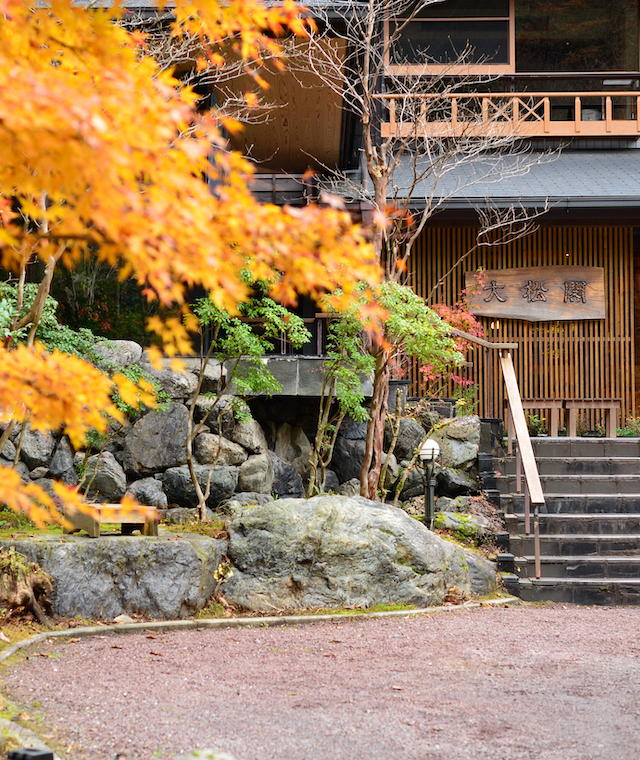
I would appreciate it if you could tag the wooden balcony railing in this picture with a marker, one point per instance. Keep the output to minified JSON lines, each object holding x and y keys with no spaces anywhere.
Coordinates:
{"x":604,"y":115}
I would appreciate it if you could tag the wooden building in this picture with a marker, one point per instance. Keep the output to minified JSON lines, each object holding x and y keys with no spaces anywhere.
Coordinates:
{"x":563,"y":81}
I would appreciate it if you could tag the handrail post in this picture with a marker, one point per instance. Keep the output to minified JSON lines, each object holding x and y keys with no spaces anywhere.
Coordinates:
{"x":536,"y":540}
{"x":547,"y":113}
{"x":533,"y":494}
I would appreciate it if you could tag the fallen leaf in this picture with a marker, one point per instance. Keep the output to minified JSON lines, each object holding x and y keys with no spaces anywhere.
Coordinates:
{"x":150,"y":636}
{"x":398,"y":688}
{"x":116,"y":646}
{"x":4,"y":638}
{"x":24,"y":716}
{"x":69,"y":748}
{"x":73,"y":640}
{"x":157,"y":654}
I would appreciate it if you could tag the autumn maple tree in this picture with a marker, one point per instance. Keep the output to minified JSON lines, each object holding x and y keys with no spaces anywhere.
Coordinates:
{"x":103,"y":154}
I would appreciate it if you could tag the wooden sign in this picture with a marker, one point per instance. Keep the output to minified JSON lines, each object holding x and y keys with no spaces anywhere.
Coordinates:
{"x":538,"y":294}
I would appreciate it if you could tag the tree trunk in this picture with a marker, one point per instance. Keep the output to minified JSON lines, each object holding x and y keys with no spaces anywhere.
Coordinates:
{"x":373,"y":453}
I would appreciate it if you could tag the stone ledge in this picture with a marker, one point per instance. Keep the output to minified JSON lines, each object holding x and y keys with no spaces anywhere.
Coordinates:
{"x":100,"y":578}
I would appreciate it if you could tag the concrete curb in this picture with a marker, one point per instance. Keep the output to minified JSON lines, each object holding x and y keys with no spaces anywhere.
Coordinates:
{"x":186,"y":625}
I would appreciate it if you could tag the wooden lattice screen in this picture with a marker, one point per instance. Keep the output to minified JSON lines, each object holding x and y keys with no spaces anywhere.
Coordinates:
{"x":582,"y":359}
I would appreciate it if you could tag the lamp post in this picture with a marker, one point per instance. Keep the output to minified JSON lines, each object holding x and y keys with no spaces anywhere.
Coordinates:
{"x":428,"y":454}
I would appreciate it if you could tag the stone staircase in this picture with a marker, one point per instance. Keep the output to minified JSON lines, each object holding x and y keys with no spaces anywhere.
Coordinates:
{"x":590,"y":529}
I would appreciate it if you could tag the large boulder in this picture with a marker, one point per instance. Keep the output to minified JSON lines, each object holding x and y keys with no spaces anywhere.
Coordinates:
{"x":256,"y":474}
{"x":37,"y":448}
{"x":410,"y":437}
{"x":104,"y":478}
{"x":473,"y":528}
{"x":212,"y":375}
{"x":218,"y":412}
{"x":287,"y":482}
{"x":149,"y":491}
{"x":21,"y":468}
{"x":209,"y":448}
{"x":105,"y":577}
{"x":250,"y":436}
{"x":393,"y":471}
{"x":454,"y":483}
{"x":177,"y":385}
{"x":292,"y":445}
{"x":459,"y":442}
{"x":62,"y":459}
{"x":414,"y":483}
{"x":156,"y":442}
{"x":118,"y":353}
{"x":348,"y":453}
{"x":332,"y":551}
{"x":9,"y":451}
{"x":178,"y":486}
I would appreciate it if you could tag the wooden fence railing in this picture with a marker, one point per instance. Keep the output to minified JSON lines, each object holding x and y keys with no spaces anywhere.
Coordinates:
{"x":602,"y":114}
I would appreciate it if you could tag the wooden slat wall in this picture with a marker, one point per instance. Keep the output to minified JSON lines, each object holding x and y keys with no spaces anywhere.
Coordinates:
{"x":589,"y":359}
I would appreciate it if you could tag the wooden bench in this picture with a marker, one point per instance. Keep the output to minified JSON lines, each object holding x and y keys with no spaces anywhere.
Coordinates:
{"x":144,"y":519}
{"x":610,"y":407}
{"x":553,"y":405}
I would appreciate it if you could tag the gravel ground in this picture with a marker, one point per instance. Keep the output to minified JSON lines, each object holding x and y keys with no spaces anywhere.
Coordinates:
{"x":547,"y":683}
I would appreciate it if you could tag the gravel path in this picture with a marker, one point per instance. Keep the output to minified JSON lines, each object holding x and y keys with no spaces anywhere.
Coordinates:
{"x":543,"y":683}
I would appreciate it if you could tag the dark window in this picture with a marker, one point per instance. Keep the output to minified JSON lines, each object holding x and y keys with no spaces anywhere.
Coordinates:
{"x":576,"y":35}
{"x":455,"y":30}
{"x":465,"y":9}
{"x":449,"y":41}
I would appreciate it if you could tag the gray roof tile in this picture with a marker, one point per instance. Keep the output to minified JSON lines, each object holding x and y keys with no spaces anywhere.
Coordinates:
{"x":585,"y":178}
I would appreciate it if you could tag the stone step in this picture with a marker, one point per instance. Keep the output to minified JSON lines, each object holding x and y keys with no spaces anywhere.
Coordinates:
{"x":577,"y":504}
{"x":577,"y":544}
{"x":598,"y":524}
{"x":586,"y":447}
{"x":578,"y":484}
{"x":597,"y":591}
{"x":577,"y":466}
{"x":608,"y":567}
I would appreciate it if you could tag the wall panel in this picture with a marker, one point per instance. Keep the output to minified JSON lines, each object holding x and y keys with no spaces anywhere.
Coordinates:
{"x":588,"y":359}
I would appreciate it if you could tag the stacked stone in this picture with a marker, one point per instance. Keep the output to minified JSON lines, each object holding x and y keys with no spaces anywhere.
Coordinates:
{"x":246,"y":461}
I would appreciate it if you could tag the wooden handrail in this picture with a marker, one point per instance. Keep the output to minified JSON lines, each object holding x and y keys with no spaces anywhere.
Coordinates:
{"x":533,"y":486}
{"x":481,"y":341}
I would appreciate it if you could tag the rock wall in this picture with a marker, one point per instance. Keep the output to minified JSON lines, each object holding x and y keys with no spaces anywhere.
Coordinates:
{"x":105,"y":577}
{"x":265,"y":455}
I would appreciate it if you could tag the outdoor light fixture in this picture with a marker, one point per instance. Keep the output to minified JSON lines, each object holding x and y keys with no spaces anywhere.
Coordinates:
{"x":429,"y":453}
{"x":29,"y":753}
